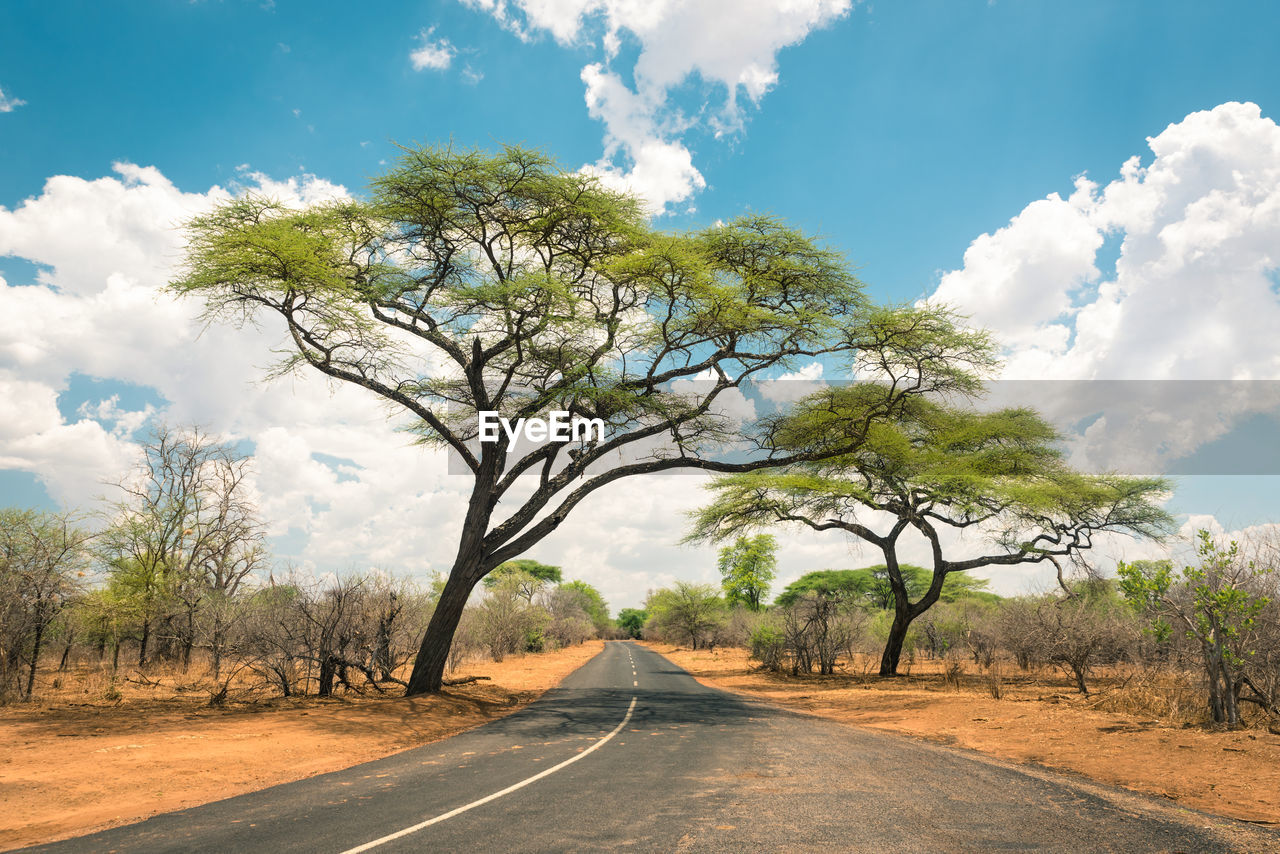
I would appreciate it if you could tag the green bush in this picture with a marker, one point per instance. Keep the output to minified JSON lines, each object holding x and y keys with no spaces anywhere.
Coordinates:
{"x":768,"y":646}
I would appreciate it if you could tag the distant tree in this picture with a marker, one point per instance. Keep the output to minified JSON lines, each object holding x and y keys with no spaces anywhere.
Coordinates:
{"x":526,"y":578}
{"x":476,"y":282}
{"x":873,"y":585}
{"x":961,"y":585}
{"x":687,"y":612}
{"x":590,"y":601}
{"x":632,"y":620}
{"x":507,"y":622}
{"x":185,"y":535}
{"x":1215,"y":603}
{"x":936,"y":467}
{"x":853,"y":585}
{"x":747,"y":568}
{"x":1076,"y":632}
{"x":543,"y":572}
{"x":43,"y":559}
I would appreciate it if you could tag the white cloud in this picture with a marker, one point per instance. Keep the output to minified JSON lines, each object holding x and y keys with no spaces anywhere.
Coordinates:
{"x":1193,"y":294}
{"x":729,"y":46}
{"x":8,"y":103}
{"x":791,"y":386}
{"x":435,"y":54}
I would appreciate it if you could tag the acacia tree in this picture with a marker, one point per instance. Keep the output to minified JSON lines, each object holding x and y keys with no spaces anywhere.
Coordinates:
{"x":936,"y":468}
{"x":747,"y":568}
{"x":473,"y":282}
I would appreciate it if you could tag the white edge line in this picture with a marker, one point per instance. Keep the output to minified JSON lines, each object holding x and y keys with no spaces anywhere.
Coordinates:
{"x":508,"y":790}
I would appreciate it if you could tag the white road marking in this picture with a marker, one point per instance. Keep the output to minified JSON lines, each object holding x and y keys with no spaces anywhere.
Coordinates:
{"x":400,"y":834}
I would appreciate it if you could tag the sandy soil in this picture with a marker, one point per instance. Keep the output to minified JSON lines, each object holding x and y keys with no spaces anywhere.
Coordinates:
{"x":1234,"y":774}
{"x":72,"y":769}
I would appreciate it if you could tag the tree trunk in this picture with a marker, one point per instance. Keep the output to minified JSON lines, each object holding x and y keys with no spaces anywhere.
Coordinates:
{"x":433,"y":654}
{"x":189,"y":640}
{"x":35,"y":658}
{"x":1078,"y":670}
{"x":216,"y":642}
{"x":893,"y":647}
{"x":142,"y":644}
{"x":328,"y":669}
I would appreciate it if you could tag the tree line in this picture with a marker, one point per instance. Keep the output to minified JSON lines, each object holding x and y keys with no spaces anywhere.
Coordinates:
{"x":174,"y":573}
{"x":1214,"y":620}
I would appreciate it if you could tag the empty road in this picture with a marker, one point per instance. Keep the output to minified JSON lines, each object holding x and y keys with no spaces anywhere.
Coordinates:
{"x":632,"y":753}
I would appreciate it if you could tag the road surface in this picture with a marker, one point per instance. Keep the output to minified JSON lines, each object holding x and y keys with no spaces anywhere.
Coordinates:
{"x":632,"y":753}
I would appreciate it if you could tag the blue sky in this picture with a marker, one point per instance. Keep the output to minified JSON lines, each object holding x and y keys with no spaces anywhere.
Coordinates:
{"x":901,"y":132}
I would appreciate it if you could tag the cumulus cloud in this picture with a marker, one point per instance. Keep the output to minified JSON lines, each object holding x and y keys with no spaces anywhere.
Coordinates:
{"x":8,"y":103}
{"x":729,"y":47}
{"x":793,"y":385}
{"x":434,"y":54}
{"x":1192,"y":296}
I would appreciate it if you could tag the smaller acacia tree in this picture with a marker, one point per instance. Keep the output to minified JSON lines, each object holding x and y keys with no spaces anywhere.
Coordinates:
{"x":531,"y":577}
{"x":747,"y":568}
{"x":931,"y":469}
{"x":1216,"y":603}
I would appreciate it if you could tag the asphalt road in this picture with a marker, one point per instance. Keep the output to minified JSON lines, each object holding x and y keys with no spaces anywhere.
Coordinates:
{"x":632,"y":753}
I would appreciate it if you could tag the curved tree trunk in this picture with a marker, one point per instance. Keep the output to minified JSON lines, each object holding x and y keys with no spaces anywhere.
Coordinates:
{"x":433,"y":654}
{"x":893,"y":647}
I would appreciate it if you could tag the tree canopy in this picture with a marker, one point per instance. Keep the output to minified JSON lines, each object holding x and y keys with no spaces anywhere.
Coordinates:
{"x":936,"y":467}
{"x":872,"y":586}
{"x":471,"y":282}
{"x":747,"y":568}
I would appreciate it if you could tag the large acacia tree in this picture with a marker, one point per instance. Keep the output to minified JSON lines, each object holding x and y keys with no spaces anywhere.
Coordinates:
{"x":937,"y":469}
{"x":471,"y":281}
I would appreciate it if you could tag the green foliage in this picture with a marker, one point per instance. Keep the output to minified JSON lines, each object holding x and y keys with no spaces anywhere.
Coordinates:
{"x":768,"y":645}
{"x":960,"y":585}
{"x":1221,"y":605}
{"x":851,"y":584}
{"x":540,"y":572}
{"x":590,"y":601}
{"x":687,"y":613}
{"x":632,"y":620}
{"x":1216,"y":602}
{"x":747,"y":569}
{"x":871,"y":586}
